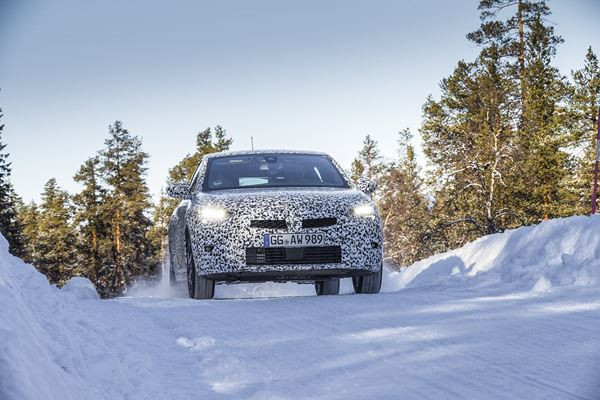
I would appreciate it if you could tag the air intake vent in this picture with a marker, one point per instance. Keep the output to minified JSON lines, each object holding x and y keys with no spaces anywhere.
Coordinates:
{"x":268,"y":223}
{"x":318,"y":222}
{"x":293,"y":255}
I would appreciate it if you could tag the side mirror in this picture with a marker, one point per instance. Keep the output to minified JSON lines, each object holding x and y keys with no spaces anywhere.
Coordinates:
{"x":366,"y":185}
{"x":179,"y":190}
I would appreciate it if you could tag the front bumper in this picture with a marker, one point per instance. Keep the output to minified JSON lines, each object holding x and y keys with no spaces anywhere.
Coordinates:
{"x":234,"y":250}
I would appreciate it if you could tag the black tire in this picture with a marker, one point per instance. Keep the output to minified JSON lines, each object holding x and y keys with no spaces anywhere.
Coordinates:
{"x":199,"y":288}
{"x":368,"y":284}
{"x":328,"y":287}
{"x":172,"y":277}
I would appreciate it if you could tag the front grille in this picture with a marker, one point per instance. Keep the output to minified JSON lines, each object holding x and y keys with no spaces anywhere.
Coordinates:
{"x":293,"y":255}
{"x":318,"y":222}
{"x":268,"y":223}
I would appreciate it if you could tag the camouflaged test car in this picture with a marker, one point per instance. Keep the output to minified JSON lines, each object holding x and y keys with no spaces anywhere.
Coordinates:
{"x":274,"y":216}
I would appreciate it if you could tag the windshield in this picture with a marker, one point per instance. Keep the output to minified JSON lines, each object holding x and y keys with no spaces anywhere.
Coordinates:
{"x":272,"y":170}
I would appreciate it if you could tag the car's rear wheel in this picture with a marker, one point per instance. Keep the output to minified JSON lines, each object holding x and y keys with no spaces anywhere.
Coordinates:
{"x":199,"y":288}
{"x":368,"y":284}
{"x":328,"y":287}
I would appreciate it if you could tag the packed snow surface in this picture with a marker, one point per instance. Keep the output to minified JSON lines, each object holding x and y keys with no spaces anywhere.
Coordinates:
{"x":510,"y":316}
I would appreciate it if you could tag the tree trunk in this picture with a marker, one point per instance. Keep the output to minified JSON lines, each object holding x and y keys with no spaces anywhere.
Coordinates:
{"x":118,"y":266}
{"x":521,"y":55}
{"x":94,"y":275}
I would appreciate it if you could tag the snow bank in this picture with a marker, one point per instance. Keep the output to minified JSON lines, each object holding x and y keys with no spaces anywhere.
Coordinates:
{"x":26,"y":360}
{"x":39,"y":340}
{"x":81,"y":289}
{"x":556,"y":252}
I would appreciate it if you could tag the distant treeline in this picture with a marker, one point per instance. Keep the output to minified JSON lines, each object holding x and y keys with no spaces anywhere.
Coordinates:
{"x":510,"y":142}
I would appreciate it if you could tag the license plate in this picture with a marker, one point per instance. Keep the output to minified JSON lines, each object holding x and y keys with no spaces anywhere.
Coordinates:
{"x":293,"y":239}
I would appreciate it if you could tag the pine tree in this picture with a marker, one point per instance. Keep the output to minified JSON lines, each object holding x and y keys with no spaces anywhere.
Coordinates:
{"x":55,"y":235}
{"x":403,"y":207}
{"x":206,"y":142}
{"x":29,"y":218}
{"x":584,"y":100}
{"x":369,"y":163}
{"x":357,"y":170}
{"x":123,"y":168}
{"x":540,"y":182}
{"x":529,"y":45}
{"x":508,"y":37}
{"x":468,"y":137}
{"x":10,"y":227}
{"x":94,"y":232}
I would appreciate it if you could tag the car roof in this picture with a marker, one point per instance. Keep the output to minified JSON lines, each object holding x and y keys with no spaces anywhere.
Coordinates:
{"x":250,"y":152}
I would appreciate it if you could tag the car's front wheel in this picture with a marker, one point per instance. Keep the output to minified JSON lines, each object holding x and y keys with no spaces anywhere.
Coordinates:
{"x":368,"y":284}
{"x":328,"y":287}
{"x":199,"y":288}
{"x":172,"y":278}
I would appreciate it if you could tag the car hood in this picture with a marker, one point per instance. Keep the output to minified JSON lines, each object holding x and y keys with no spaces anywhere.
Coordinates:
{"x":284,"y":202}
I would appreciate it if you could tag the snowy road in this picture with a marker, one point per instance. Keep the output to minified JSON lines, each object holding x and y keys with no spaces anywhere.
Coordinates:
{"x":414,"y":344}
{"x":510,"y":316}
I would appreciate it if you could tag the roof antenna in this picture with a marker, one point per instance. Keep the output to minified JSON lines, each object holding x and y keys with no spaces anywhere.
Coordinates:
{"x":252,"y":142}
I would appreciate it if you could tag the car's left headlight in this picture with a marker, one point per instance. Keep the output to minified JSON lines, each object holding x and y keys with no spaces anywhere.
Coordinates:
{"x":213,"y":213}
{"x":364,"y":211}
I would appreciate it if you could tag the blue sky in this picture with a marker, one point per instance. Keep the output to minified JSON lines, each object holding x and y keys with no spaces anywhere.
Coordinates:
{"x":316,"y":75}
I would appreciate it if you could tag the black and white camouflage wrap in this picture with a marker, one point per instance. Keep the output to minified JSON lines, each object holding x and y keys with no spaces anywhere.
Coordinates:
{"x":232,"y":236}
